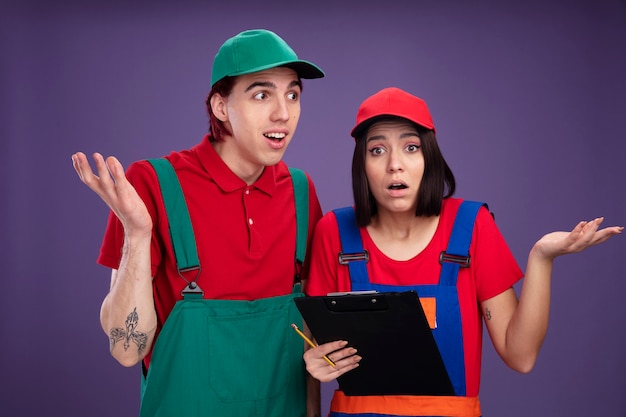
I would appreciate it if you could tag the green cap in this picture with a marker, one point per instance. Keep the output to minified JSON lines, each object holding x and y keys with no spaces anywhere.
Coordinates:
{"x":258,"y":50}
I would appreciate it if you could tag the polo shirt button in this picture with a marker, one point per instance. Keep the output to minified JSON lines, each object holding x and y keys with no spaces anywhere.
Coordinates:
{"x":250,"y":222}
{"x":247,"y":191}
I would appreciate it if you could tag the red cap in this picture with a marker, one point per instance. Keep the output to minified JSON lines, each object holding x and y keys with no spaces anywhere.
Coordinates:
{"x":392,"y":102}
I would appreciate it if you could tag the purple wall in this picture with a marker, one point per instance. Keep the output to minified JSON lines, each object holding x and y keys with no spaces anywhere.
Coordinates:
{"x":529,"y":101}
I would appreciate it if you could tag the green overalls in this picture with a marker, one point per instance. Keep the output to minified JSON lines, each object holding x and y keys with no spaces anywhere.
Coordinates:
{"x":225,"y":358}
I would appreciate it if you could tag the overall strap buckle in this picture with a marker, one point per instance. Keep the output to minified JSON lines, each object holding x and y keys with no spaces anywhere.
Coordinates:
{"x":462,"y":261}
{"x":346,"y":258}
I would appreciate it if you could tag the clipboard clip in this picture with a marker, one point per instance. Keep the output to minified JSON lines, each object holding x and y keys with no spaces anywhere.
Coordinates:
{"x":346,"y":258}
{"x":353,"y":303}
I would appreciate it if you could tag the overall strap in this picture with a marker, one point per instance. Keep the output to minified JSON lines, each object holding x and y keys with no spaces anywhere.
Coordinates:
{"x":352,"y":252}
{"x":456,"y":254}
{"x":301,"y":196}
{"x":181,"y":230}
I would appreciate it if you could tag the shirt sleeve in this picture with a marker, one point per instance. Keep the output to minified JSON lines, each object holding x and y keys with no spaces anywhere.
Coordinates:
{"x":323,"y":275}
{"x":142,"y":177}
{"x":496,"y":269}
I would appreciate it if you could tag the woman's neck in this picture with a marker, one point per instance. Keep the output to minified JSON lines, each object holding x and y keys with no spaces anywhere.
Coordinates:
{"x":402,"y":236}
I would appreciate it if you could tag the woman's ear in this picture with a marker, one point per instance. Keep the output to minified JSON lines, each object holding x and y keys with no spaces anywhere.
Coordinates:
{"x":218,"y":106}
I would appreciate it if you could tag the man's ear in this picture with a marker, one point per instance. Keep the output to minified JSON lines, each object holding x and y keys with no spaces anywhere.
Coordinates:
{"x":218,"y":106}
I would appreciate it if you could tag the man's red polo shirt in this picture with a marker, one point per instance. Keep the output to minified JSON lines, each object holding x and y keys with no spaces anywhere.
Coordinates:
{"x":245,"y":234}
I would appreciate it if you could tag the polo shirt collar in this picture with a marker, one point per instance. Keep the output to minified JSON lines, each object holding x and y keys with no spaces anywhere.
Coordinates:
{"x":225,"y":178}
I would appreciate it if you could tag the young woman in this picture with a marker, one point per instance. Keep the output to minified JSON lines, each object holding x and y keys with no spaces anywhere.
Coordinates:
{"x":405,"y":214}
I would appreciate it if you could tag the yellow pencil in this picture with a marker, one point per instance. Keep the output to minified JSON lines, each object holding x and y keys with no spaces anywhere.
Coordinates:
{"x":331,"y":363}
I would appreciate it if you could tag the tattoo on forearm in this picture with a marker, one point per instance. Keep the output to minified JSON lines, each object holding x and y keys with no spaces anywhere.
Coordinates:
{"x":139,"y":338}
{"x":487,"y":314}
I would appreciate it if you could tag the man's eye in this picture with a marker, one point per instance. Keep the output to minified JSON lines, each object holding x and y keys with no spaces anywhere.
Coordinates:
{"x":260,"y":96}
{"x":292,"y":96}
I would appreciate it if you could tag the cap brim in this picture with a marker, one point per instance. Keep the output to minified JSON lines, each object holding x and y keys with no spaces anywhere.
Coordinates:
{"x":364,"y":125}
{"x":305,"y":69}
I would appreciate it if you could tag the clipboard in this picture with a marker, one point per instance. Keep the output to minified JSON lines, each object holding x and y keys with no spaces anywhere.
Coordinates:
{"x":392,"y":335}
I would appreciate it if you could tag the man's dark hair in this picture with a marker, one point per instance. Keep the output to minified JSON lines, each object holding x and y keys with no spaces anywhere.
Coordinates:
{"x":216,"y":127}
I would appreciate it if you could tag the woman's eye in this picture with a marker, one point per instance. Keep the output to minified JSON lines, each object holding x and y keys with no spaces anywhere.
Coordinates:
{"x":376,"y":151}
{"x":413,"y":147}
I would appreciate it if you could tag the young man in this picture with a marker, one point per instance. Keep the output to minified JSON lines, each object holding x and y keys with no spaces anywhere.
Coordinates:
{"x":206,"y":304}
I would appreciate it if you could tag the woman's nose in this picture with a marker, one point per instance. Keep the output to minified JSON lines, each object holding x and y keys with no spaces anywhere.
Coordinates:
{"x":395,"y":163}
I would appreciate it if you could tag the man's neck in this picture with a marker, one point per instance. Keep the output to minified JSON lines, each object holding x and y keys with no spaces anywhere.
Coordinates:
{"x":249,"y":174}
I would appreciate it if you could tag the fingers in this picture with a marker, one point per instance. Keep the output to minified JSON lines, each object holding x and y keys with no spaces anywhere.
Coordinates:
{"x":344,"y":358}
{"x":111,"y":185}
{"x":84,"y":171}
{"x":101,"y":182}
{"x":584,"y":235}
{"x":329,"y":347}
{"x":588,"y":233}
{"x":592,"y":226}
{"x":104,"y":182}
{"x":605,"y":234}
{"x":115,"y":168}
{"x":109,"y":171}
{"x":81,"y":165}
{"x":592,"y":229}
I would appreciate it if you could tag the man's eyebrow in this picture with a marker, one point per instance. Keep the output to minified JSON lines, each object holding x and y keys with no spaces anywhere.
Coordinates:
{"x":296,"y":83}
{"x":271,"y":85}
{"x":265,"y":84}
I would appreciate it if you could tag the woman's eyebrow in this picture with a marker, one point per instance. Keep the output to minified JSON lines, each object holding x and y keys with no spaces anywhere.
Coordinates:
{"x":402,"y":136}
{"x":409,"y":135}
{"x":377,"y":137}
